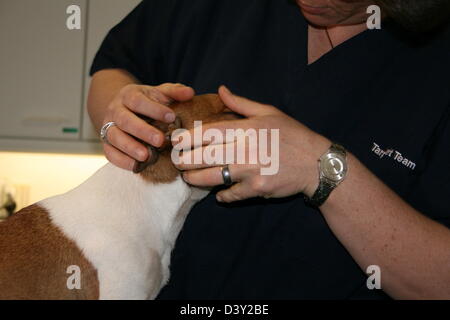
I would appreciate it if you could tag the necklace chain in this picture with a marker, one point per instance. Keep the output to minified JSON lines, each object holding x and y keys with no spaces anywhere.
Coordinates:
{"x":329,"y":38}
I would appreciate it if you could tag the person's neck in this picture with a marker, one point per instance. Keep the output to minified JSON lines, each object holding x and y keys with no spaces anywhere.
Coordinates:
{"x":320,"y":43}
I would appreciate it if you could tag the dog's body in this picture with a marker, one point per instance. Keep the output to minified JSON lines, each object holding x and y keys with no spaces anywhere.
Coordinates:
{"x":125,"y":227}
{"x":117,"y":229}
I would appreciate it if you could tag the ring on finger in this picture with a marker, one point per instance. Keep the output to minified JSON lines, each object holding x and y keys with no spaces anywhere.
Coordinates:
{"x":226,"y":175}
{"x":104,"y":131}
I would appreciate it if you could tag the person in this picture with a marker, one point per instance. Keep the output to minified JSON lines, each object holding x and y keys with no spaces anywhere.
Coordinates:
{"x":313,"y":70}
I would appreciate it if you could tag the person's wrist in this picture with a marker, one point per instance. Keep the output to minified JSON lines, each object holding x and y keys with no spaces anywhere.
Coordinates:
{"x":318,"y":146}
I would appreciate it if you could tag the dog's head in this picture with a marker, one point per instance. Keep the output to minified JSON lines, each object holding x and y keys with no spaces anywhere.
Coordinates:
{"x":207,"y":108}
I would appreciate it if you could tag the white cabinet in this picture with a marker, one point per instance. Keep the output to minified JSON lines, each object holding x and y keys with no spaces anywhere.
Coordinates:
{"x":41,"y":66}
{"x":103,"y":15}
{"x":44,"y":72}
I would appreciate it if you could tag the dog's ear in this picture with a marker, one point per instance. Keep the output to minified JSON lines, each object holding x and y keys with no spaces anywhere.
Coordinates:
{"x":153,"y":152}
{"x":208,"y":108}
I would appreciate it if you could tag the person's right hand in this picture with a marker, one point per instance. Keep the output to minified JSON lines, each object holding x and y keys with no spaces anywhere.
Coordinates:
{"x":123,"y":150}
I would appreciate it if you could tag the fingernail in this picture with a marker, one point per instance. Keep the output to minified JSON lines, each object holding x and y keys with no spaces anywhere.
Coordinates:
{"x":227,"y":90}
{"x":219,"y":198}
{"x":170,"y":117}
{"x":140,"y":155}
{"x":156,"y":140}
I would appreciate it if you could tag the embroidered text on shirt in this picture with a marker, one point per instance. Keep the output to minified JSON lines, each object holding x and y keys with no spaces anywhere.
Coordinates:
{"x":394,"y":154}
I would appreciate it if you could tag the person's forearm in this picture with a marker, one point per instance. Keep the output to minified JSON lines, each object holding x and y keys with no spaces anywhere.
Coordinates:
{"x":378,"y":228}
{"x":104,"y":87}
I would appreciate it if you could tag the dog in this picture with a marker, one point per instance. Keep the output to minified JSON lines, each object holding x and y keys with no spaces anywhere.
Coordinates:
{"x":111,"y":237}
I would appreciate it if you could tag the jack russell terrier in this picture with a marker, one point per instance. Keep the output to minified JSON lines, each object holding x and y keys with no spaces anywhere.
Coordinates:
{"x":117,"y":229}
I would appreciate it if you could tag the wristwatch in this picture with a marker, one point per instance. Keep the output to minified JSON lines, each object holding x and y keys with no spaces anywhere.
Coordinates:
{"x":332,"y":171}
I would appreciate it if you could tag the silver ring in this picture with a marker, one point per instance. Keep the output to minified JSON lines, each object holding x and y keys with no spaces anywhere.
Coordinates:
{"x":104,"y":131}
{"x":226,"y":176}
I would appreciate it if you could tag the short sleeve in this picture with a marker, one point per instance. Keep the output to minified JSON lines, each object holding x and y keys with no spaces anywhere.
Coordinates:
{"x":430,"y":192}
{"x":135,"y":44}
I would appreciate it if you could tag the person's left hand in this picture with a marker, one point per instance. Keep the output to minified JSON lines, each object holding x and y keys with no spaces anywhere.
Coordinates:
{"x":299,"y":150}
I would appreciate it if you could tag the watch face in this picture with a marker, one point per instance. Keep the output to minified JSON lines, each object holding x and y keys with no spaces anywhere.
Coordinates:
{"x":333,"y":166}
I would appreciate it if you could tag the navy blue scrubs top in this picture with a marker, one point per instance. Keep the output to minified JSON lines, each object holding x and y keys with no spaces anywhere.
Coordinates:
{"x":375,"y":92}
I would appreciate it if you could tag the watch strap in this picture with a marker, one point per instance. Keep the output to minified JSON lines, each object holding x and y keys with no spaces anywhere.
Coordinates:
{"x":337,"y":148}
{"x":321,"y":195}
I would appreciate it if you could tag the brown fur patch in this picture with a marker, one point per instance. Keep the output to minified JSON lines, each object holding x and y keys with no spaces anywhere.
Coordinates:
{"x":34,"y":257}
{"x":207,"y":108}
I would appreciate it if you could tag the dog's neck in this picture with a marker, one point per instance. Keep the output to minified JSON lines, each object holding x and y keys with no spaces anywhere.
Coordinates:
{"x":151,"y":212}
{"x":122,"y":221}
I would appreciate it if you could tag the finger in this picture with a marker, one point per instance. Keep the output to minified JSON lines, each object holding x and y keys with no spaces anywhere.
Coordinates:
{"x":212,"y":177}
{"x":126,"y":144}
{"x":118,"y":158}
{"x":150,"y":102}
{"x":206,"y":157}
{"x":214,"y":133}
{"x":244,"y":106}
{"x":177,"y":91}
{"x":135,"y":126}
{"x":237,"y":192}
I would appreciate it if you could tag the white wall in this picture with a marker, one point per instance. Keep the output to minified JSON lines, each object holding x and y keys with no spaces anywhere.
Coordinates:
{"x":47,"y":174}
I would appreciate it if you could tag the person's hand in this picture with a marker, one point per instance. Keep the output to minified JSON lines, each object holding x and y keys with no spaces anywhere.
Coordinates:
{"x":123,"y":149}
{"x":299,"y":150}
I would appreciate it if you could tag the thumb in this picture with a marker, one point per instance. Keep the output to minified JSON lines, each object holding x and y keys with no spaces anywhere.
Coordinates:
{"x":242,"y":105}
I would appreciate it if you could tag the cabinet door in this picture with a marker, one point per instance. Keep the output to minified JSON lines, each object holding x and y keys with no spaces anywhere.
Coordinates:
{"x":103,"y":15}
{"x":41,"y":69}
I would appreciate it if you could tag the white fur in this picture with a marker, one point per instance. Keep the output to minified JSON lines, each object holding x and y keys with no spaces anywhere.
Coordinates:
{"x":126,"y":227}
